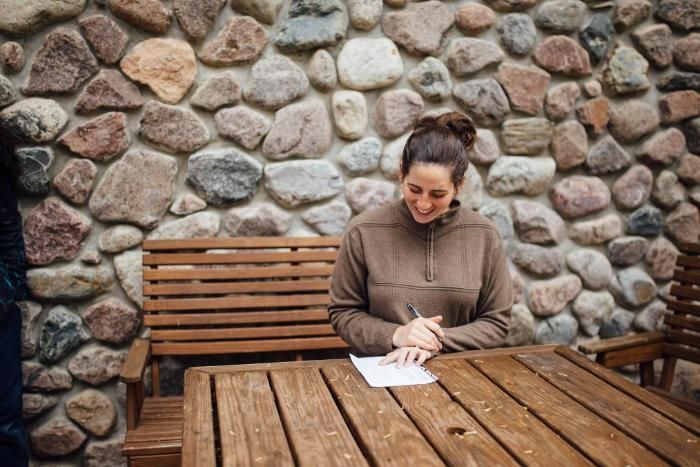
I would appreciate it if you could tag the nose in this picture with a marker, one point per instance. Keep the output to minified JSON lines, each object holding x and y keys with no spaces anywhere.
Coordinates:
{"x":423,"y":204}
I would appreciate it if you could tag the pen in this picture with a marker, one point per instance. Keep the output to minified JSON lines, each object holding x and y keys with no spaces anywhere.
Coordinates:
{"x":414,"y":311}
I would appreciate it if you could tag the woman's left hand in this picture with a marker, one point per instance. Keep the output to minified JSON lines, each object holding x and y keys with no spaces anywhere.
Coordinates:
{"x":406,"y":355}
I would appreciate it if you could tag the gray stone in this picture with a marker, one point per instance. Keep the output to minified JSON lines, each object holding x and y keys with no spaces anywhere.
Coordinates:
{"x":130,"y":273}
{"x":274,"y":82}
{"x":682,"y":225}
{"x":69,"y":282}
{"x":650,"y":318}
{"x":241,"y":41}
{"x":617,"y":324}
{"x":607,"y":156}
{"x":664,"y":148}
{"x":171,"y":128}
{"x":560,"y":16}
{"x":61,"y":65}
{"x":420,"y":28}
{"x":561,"y":329}
{"x":654,"y":43}
{"x":569,"y":145}
{"x":311,"y":24}
{"x":518,"y":286}
{"x":295,"y":183}
{"x":363,"y":194}
{"x":592,"y":88}
{"x":522,"y":327}
{"x":38,"y":378}
{"x":560,"y":99}
{"x":631,"y":120}
{"x":537,"y":260}
{"x":149,"y":15}
{"x":591,"y":266}
{"x":53,"y":231}
{"x":396,"y":111}
{"x":499,"y":214}
{"x":595,"y":36}
{"x":691,"y":130}
{"x":91,"y":257}
{"x":112,"y":321}
{"x":668,"y":190}
{"x":107,"y":39}
{"x":628,"y":13}
{"x":431,"y":79}
{"x":361,"y":157}
{"x":243,"y":125}
{"x":197,"y":17}
{"x":547,"y":298}
{"x":302,"y":129}
{"x":349,"y":114}
{"x":365,"y":14}
{"x":390,"y":162}
{"x":104,"y":454}
{"x":592,"y":309}
{"x":369,"y":63}
{"x":625,"y":72}
{"x":633,"y":189}
{"x":528,"y":136}
{"x":93,"y":411}
{"x":660,"y":259}
{"x":678,"y":80}
{"x":646,"y":221}
{"x":34,"y":165}
{"x":30,"y":315}
{"x":561,"y":54}
{"x":321,"y":71}
{"x":11,"y":58}
{"x":262,"y":10}
{"x":484,"y":100}
{"x":7,"y":92}
{"x":187,"y":203}
{"x":329,"y":219}
{"x":199,"y":225}
{"x":517,"y":33}
{"x":472,"y":194}
{"x":138,"y":189}
{"x":486,"y":150}
{"x":217,"y":91}
{"x":108,"y":90}
{"x":34,"y":119}
{"x":23,"y":17}
{"x":596,"y":231}
{"x":62,"y":332}
{"x":224,"y":176}
{"x":96,"y":365}
{"x":515,"y":174}
{"x":536,"y":223}
{"x":633,"y":287}
{"x":626,"y":251}
{"x":512,"y":5}
{"x":680,"y":14}
{"x":57,"y":437}
{"x":34,"y":405}
{"x":466,"y":55}
{"x":259,"y":220}
{"x":101,"y":138}
{"x":579,"y":195}
{"x":119,"y":238}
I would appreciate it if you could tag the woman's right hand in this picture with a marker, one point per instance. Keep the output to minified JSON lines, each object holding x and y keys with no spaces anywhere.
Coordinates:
{"x":424,"y":333}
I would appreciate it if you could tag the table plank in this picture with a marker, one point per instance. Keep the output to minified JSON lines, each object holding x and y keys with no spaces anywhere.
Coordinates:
{"x":385,"y":432}
{"x":600,"y":441}
{"x":314,"y":426}
{"x":666,"y":438}
{"x":529,"y":440}
{"x":250,"y":430}
{"x":649,"y":399}
{"x":453,"y":433}
{"x":198,"y":445}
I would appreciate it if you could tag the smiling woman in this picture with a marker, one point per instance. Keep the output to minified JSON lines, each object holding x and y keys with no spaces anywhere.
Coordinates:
{"x":425,"y":250}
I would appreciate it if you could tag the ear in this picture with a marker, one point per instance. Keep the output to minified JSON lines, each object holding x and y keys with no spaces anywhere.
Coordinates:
{"x":460,"y":185}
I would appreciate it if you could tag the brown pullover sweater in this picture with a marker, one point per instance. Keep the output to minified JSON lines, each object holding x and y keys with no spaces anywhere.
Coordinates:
{"x":455,"y":267}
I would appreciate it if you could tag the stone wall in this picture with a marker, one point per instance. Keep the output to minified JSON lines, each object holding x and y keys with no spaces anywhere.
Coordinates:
{"x":193,"y":118}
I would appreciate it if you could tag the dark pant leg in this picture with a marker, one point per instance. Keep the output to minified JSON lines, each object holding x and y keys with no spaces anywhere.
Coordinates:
{"x":13,"y":440}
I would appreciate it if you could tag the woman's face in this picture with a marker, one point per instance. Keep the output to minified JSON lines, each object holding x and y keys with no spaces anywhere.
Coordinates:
{"x":428,"y":191}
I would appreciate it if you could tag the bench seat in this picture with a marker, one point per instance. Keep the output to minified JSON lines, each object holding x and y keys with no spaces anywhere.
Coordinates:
{"x":159,"y":433}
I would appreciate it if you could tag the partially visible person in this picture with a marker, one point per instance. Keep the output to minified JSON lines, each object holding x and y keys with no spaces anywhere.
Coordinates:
{"x":13,"y":440}
{"x":426,"y":250}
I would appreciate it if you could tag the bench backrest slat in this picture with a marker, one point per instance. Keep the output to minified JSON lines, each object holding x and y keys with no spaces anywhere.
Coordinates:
{"x":682,"y":320}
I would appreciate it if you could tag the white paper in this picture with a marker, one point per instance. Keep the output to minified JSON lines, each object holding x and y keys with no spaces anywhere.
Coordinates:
{"x":381,"y":376}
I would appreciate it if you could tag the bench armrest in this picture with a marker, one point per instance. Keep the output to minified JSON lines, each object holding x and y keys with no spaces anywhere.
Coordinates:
{"x":136,"y":360}
{"x":621,"y":343}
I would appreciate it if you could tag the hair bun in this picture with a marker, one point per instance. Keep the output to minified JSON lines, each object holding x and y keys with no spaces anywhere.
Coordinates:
{"x":461,"y":126}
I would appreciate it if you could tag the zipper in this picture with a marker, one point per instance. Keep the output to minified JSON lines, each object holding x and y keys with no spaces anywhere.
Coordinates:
{"x":430,"y":252}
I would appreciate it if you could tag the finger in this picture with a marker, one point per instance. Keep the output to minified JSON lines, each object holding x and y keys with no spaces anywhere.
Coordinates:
{"x":428,"y":336}
{"x":401,"y":360}
{"x":435,"y":327}
{"x":422,"y":339}
{"x":388,"y":358}
{"x":423,"y":357}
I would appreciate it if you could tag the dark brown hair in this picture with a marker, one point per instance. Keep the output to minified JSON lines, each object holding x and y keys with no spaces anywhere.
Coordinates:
{"x":8,"y":144}
{"x":442,"y":140}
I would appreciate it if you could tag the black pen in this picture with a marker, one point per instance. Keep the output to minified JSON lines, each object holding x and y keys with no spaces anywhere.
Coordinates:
{"x":417,"y":314}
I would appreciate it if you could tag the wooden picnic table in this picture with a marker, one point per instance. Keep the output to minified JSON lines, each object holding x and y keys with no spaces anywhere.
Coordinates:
{"x":536,"y":405}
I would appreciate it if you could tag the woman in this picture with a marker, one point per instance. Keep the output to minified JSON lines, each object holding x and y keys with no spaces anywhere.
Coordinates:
{"x":13,"y":444}
{"x":426,"y":250}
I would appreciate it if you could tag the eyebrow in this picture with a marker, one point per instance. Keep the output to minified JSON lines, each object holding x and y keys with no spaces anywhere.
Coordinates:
{"x":439,"y":190}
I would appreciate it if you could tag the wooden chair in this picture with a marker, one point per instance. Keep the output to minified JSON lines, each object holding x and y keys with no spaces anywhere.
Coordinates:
{"x":678,"y":339}
{"x":221,"y":296}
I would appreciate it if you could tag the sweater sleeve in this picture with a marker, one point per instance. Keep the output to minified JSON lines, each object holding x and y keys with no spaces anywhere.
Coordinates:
{"x":349,"y":307}
{"x":490,"y":327}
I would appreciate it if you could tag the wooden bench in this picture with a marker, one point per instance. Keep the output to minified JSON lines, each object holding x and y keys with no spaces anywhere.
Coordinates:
{"x":221,"y":296}
{"x":679,"y":338}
